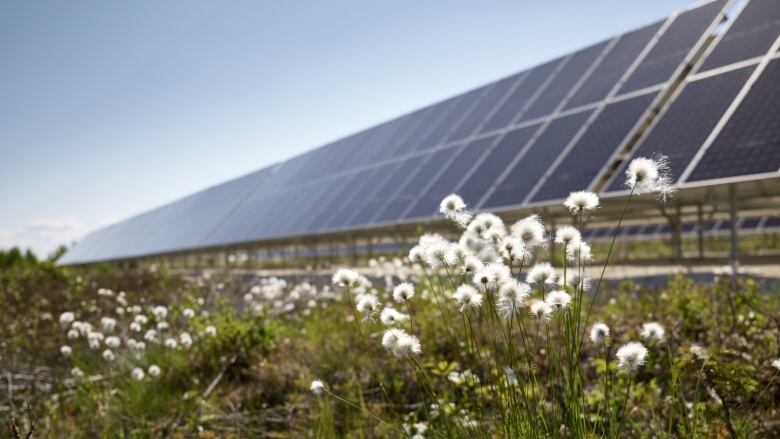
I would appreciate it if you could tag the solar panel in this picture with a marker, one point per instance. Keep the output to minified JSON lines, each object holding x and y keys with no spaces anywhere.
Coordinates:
{"x":496,"y":161}
{"x":750,"y":141}
{"x":432,"y":118}
{"x":575,"y":69}
{"x":588,"y":156}
{"x":445,"y":183}
{"x":688,"y":121}
{"x":522,"y":96}
{"x":673,"y":47}
{"x":615,"y":63}
{"x":488,"y":101}
{"x":400,"y":175}
{"x":429,"y":167}
{"x":541,"y":154}
{"x":751,"y":35}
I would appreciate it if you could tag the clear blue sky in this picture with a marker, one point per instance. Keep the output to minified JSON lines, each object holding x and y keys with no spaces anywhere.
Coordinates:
{"x":110,"y":108}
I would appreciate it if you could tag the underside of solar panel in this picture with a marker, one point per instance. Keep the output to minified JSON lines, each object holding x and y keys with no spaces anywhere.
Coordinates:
{"x":700,"y":86}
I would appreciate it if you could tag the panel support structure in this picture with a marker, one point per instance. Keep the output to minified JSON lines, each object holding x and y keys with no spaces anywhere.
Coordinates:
{"x":733,"y":229}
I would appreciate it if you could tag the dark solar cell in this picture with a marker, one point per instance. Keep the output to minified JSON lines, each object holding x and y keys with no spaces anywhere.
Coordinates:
{"x":564,"y":81}
{"x":366,"y":197}
{"x":433,"y":117}
{"x":750,"y":141}
{"x":443,"y":124}
{"x":527,"y":172}
{"x":447,"y":181}
{"x":450,"y":121}
{"x":674,"y":45}
{"x":613,"y":66}
{"x":687,"y":123}
{"x":751,"y":35}
{"x":750,"y":223}
{"x":688,"y":227}
{"x":486,"y":104}
{"x":408,"y":193}
{"x":522,"y":96}
{"x":494,"y":164}
{"x":337,"y":190}
{"x":353,"y":201}
{"x":400,"y":175}
{"x":401,"y":130}
{"x":771,"y":223}
{"x":592,"y":151}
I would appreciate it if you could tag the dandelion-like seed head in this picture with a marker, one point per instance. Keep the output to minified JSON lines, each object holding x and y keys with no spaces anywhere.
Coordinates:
{"x":154,"y":370}
{"x":403,"y":292}
{"x":67,"y":318}
{"x":391,"y":337}
{"x":467,"y":297}
{"x":511,"y":297}
{"x":579,"y":253}
{"x":391,"y":316}
{"x":541,"y":310}
{"x":631,"y":356}
{"x":407,"y":345}
{"x":472,"y":264}
{"x":647,"y":175}
{"x":485,"y":278}
{"x":66,"y":350}
{"x":137,"y":374}
{"x":776,"y":363}
{"x":451,"y":205}
{"x":317,"y":387}
{"x":558,"y":299}
{"x":345,"y":277}
{"x":568,"y":236}
{"x":417,"y":255}
{"x":599,"y":333}
{"x":530,"y":231}
{"x":367,"y":304}
{"x":576,"y":280}
{"x":108,"y":355}
{"x":653,"y":331}
{"x":581,"y":202}
{"x":540,"y":274}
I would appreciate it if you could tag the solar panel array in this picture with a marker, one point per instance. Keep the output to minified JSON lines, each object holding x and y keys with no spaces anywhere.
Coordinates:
{"x":529,"y":138}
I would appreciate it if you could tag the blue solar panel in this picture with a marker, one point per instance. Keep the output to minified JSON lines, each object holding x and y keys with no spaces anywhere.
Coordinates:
{"x":483,"y":177}
{"x":613,"y":66}
{"x":527,"y":172}
{"x":592,"y":151}
{"x":751,"y":35}
{"x":522,"y":96}
{"x":487,"y":102}
{"x":563,"y":82}
{"x":398,"y":176}
{"x":447,"y":181}
{"x":673,"y":47}
{"x":689,"y":120}
{"x":750,"y":141}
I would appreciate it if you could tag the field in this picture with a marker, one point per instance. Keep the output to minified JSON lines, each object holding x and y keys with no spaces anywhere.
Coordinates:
{"x":481,"y":337}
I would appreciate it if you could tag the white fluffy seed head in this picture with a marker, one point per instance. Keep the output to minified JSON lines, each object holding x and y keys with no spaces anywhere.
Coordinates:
{"x":451,"y":205}
{"x":317,"y":387}
{"x":631,"y":356}
{"x":541,"y":273}
{"x":407,"y":346}
{"x":558,"y":299}
{"x":579,"y":253}
{"x":653,"y":331}
{"x":467,"y":297}
{"x":137,"y":374}
{"x":530,"y":231}
{"x":403,"y":292}
{"x":776,"y":363}
{"x":599,"y":333}
{"x":647,"y":175}
{"x":367,"y":304}
{"x":581,"y":202}
{"x":541,"y":310}
{"x":390,"y":316}
{"x":345,"y":277}
{"x":154,"y":370}
{"x":568,"y":236}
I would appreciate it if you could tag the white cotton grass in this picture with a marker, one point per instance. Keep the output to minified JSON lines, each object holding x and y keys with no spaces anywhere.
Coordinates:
{"x":776,"y":363}
{"x":541,"y":273}
{"x":154,"y":370}
{"x":66,"y":350}
{"x":317,"y":387}
{"x":648,"y":175}
{"x":391,"y":316}
{"x":137,"y":374}
{"x":109,"y":355}
{"x":558,"y":299}
{"x":579,"y":253}
{"x":512,"y":296}
{"x":454,"y":208}
{"x":568,"y":236}
{"x":599,"y":333}
{"x":401,"y":343}
{"x":67,"y":318}
{"x":345,"y":277}
{"x":367,"y":304}
{"x":467,"y":297}
{"x":581,"y":202}
{"x":575,"y":280}
{"x":530,"y":231}
{"x":653,"y":331}
{"x":631,"y":356}
{"x":541,"y":310}
{"x":403,"y":292}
